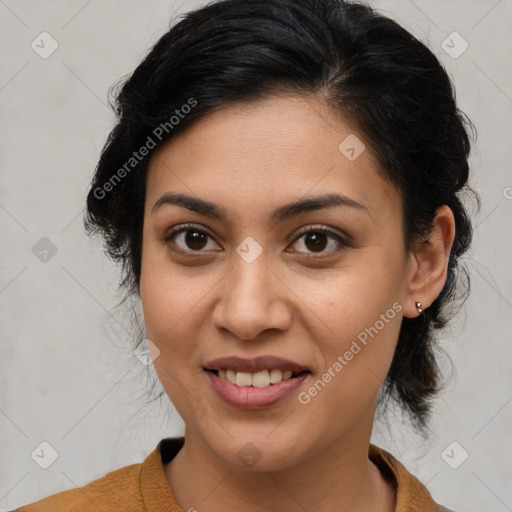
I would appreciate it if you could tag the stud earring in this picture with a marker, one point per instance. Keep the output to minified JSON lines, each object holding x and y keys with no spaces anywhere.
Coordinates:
{"x":418,"y":307}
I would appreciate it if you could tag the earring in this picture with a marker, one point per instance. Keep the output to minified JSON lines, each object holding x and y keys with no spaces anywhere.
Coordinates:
{"x":418,"y":307}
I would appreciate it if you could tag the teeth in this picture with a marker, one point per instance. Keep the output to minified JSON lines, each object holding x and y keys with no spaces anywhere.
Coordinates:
{"x":258,"y":380}
{"x":276,"y":376}
{"x":243,"y":379}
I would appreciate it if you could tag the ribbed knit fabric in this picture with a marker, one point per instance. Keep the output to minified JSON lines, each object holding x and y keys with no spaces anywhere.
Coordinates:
{"x":143,"y":487}
{"x":411,"y":494}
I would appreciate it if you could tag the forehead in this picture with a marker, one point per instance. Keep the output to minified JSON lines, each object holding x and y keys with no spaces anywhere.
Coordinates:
{"x":251,"y":155}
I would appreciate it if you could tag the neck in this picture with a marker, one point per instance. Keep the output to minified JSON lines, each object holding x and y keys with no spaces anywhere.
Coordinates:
{"x":337,"y":479}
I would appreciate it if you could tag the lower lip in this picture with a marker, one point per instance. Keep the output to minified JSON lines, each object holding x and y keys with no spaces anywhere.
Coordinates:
{"x":249,"y":397}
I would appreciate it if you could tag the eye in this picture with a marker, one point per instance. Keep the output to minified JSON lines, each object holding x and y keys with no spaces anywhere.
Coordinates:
{"x":316,"y":239}
{"x":188,"y":238}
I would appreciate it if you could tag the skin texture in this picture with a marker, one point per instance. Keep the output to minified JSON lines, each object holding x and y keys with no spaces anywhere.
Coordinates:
{"x":204,"y":301}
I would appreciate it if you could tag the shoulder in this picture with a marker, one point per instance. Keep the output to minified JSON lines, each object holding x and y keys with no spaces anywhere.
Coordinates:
{"x":411,"y":494}
{"x":119,"y":490}
{"x":132,"y":488}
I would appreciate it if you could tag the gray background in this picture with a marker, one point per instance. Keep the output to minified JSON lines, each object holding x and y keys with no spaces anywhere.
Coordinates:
{"x":67,"y":374}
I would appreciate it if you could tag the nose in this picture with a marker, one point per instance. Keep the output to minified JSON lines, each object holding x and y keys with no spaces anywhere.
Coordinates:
{"x":252,"y":299}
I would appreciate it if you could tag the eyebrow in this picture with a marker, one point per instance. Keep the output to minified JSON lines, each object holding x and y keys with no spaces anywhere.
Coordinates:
{"x":280,"y":214}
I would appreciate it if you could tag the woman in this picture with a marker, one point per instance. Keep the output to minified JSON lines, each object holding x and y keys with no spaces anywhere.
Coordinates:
{"x":282,"y":189}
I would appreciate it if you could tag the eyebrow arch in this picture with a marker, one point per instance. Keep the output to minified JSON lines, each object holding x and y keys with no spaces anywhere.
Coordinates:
{"x":280,"y":214}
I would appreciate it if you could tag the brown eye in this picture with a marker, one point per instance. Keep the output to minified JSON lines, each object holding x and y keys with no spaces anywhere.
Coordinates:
{"x":316,"y":240}
{"x":188,"y":239}
{"x":195,"y":240}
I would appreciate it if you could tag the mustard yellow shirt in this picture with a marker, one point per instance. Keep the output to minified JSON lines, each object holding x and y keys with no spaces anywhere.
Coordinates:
{"x":143,"y":487}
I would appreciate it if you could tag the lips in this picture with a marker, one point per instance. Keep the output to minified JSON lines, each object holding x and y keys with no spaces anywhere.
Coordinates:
{"x":254,"y":365}
{"x":253,"y":398}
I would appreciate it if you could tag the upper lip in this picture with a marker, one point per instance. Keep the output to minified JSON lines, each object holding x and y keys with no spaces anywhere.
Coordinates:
{"x":254,"y":365}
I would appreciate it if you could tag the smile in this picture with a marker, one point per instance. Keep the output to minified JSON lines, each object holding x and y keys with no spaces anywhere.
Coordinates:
{"x":259,"y":379}
{"x":258,"y":393}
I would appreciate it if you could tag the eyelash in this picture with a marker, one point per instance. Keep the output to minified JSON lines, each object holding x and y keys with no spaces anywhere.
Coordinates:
{"x":312,"y":229}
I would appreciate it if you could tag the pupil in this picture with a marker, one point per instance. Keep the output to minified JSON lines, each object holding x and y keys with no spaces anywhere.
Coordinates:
{"x":193,"y":239}
{"x":318,"y":241}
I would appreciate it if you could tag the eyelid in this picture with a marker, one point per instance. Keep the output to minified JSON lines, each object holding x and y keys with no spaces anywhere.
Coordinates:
{"x":341,"y":237}
{"x":315,"y":228}
{"x":166,"y":238}
{"x":183,"y":227}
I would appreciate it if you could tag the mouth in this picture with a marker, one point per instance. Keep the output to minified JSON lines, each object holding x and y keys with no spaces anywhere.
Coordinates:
{"x":251,"y":391}
{"x":260,"y":379}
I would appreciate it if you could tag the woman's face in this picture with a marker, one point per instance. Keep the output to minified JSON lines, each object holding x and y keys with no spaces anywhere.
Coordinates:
{"x":251,"y":284}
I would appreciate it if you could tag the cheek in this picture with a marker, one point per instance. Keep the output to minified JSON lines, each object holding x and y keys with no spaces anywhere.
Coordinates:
{"x":173,"y":302}
{"x":355,"y":299}
{"x":363,"y":333}
{"x":363,"y":311}
{"x":169,"y":305}
{"x":163,"y":292}
{"x":355,"y":365}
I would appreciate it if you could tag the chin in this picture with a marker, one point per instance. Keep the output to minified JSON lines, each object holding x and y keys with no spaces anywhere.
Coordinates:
{"x":258,"y":453}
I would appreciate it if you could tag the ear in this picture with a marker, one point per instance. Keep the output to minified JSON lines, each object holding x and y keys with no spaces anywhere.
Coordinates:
{"x":428,"y":263}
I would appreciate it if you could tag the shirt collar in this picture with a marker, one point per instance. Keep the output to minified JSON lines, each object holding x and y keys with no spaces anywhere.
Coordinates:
{"x":156,"y":492}
{"x":411,"y":494}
